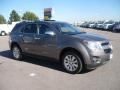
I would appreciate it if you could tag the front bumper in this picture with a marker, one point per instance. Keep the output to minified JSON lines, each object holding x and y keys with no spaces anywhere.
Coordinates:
{"x":97,"y":61}
{"x":99,"y":57}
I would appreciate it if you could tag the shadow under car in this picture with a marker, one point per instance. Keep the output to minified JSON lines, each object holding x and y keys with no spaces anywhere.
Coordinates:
{"x":42,"y":61}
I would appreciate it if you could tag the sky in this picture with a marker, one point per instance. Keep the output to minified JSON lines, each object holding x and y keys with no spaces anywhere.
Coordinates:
{"x":65,"y":10}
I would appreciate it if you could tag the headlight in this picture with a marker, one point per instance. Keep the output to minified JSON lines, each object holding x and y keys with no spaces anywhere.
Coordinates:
{"x":93,"y":45}
{"x":111,"y":45}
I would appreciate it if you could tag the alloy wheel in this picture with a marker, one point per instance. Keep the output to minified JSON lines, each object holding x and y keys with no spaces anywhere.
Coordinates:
{"x":71,"y":63}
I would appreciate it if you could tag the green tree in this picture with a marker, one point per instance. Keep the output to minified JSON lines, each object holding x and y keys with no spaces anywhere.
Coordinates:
{"x":2,"y":19}
{"x":14,"y":16}
{"x":30,"y":16}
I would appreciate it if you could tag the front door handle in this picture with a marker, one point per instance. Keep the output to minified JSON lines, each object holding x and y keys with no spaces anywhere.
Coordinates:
{"x":36,"y":38}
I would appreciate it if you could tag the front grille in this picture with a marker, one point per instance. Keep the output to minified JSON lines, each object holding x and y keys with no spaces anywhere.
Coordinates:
{"x":106,"y":47}
{"x":108,"y":50}
{"x":105,"y":43}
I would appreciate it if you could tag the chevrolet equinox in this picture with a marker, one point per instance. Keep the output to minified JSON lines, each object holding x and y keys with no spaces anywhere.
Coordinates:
{"x":76,"y":50}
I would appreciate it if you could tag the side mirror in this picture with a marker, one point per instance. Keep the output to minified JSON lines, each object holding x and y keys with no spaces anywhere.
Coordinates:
{"x":51,"y":33}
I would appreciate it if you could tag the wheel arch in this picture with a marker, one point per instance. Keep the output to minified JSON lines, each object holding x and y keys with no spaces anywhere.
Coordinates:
{"x":14,"y":44}
{"x":70,"y":49}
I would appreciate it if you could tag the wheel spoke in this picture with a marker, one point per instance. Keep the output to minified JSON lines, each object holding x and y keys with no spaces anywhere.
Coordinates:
{"x":73,"y":58}
{"x":16,"y":52}
{"x":71,"y":63}
{"x":71,"y":68}
{"x":67,"y":58}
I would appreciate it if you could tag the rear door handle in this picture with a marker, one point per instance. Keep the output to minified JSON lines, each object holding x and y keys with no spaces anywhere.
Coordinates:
{"x":21,"y":35}
{"x":36,"y":38}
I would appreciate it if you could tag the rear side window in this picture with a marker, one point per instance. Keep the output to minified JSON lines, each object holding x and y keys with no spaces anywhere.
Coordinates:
{"x":30,"y":28}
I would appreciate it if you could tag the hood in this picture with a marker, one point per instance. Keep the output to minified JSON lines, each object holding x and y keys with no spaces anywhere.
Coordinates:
{"x":90,"y":37}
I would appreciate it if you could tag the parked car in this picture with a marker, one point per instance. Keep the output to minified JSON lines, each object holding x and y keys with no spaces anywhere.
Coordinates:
{"x":5,"y":29}
{"x":108,"y":25}
{"x":94,"y":26}
{"x":3,"y":33}
{"x":91,"y":25}
{"x":116,"y":28}
{"x":99,"y":26}
{"x":85,"y":25}
{"x":62,"y":42}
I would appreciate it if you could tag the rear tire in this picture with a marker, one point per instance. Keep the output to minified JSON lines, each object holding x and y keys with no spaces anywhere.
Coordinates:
{"x":72,"y":62}
{"x":16,"y":52}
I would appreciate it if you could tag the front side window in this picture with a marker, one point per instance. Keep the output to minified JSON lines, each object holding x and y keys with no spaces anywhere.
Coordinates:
{"x":31,"y":28}
{"x":43,"y":28}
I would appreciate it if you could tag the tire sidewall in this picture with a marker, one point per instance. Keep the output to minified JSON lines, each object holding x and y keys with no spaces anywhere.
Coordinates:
{"x":80,"y":64}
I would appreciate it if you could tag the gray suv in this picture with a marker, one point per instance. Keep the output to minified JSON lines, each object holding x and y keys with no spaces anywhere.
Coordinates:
{"x":76,"y":50}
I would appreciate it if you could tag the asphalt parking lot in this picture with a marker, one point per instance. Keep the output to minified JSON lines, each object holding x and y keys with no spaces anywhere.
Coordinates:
{"x":37,"y":74}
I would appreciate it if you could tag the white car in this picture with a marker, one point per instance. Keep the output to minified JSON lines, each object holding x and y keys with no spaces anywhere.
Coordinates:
{"x":91,"y":25}
{"x":2,"y":32}
{"x":99,"y":26}
{"x":5,"y":29}
{"x":106,"y":25}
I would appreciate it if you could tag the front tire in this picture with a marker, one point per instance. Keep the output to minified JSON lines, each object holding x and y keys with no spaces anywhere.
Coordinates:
{"x":16,"y":52}
{"x":72,"y":62}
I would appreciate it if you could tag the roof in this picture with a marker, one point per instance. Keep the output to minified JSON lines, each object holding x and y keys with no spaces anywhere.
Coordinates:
{"x":38,"y":21}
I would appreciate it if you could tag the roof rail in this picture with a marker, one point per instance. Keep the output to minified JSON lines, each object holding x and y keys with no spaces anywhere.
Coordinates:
{"x":49,"y":20}
{"x":27,"y":21}
{"x":24,"y":21}
{"x":37,"y":21}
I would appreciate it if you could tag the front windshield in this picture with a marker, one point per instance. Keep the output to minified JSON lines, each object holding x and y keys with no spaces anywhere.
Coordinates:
{"x":68,"y":29}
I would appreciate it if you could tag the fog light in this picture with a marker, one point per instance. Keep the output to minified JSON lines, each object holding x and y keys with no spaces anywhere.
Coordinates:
{"x":96,"y":60}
